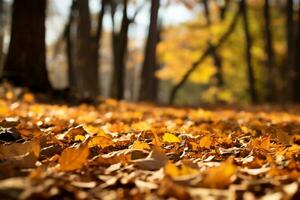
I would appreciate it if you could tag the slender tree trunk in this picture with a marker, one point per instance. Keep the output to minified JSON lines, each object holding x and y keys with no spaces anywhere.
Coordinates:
{"x":96,"y":44}
{"x":218,"y":64}
{"x":69,"y":36}
{"x":26,"y":60}
{"x":206,"y":11}
{"x":296,"y":80}
{"x":1,"y":35}
{"x":248,"y":41}
{"x":270,"y":64}
{"x":224,"y":9}
{"x":85,"y":74}
{"x":120,"y":48}
{"x":290,"y":49}
{"x":147,"y":88}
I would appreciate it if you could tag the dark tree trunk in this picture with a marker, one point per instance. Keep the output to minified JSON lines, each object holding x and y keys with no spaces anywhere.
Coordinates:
{"x":69,"y":37}
{"x":120,"y":47}
{"x":86,"y":75}
{"x":148,"y":79}
{"x":207,"y":11}
{"x":26,"y":61}
{"x":289,"y":76}
{"x":248,"y":47}
{"x":296,"y":80}
{"x":270,"y":64}
{"x":217,"y":59}
{"x":96,"y":43}
{"x":1,"y":34}
{"x":224,"y":8}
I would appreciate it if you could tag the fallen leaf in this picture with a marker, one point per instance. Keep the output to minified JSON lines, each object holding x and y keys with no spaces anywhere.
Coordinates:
{"x":100,"y":141}
{"x":206,"y":142}
{"x":140,"y":145}
{"x":18,"y":149}
{"x":170,"y":138}
{"x":154,"y":161}
{"x":73,"y":158}
{"x":221,"y":176}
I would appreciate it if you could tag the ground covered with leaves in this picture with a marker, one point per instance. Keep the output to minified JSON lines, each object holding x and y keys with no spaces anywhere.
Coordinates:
{"x":118,"y":150}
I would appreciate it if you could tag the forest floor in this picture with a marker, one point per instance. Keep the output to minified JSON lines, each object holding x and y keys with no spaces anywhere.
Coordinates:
{"x":118,"y":150}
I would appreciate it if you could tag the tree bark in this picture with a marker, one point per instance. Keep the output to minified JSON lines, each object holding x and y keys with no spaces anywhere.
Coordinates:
{"x":248,"y":47}
{"x":270,"y":64}
{"x":26,"y":60}
{"x":148,"y":79}
{"x":86,"y":74}
{"x":96,"y":44}
{"x":1,"y":34}
{"x":206,"y":11}
{"x":289,"y":77}
{"x":296,"y":79}
{"x":120,"y":48}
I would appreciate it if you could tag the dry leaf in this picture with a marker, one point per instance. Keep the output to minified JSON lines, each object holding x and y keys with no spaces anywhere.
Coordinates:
{"x":154,"y":161}
{"x":73,"y":158}
{"x":170,"y":138}
{"x":221,"y":176}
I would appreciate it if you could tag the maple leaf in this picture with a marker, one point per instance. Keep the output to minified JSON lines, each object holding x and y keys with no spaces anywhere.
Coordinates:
{"x":73,"y":158}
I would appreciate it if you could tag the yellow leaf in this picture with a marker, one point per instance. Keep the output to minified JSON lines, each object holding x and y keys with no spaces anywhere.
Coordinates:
{"x":170,"y":138}
{"x":141,"y":126}
{"x":183,"y":170}
{"x":73,"y":158}
{"x":221,"y":176}
{"x":140,"y":145}
{"x":79,"y":138}
{"x":100,"y":141}
{"x":206,"y":142}
{"x":95,"y":131}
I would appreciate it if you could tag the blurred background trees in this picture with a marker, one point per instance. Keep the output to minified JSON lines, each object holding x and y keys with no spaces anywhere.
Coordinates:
{"x":164,"y":51}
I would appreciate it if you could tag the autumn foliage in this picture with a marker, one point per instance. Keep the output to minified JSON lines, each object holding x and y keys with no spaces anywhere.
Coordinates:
{"x":118,"y":150}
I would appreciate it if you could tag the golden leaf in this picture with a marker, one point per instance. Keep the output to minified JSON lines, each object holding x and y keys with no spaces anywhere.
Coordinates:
{"x":170,"y":138}
{"x":140,"y":145}
{"x":73,"y":158}
{"x":206,"y":142}
{"x":221,"y":176}
{"x":100,"y":141}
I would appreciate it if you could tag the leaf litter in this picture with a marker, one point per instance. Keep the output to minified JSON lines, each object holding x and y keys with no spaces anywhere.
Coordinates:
{"x":119,"y":150}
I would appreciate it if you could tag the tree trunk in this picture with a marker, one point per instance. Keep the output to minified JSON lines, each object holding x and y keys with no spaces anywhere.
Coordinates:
{"x":290,"y":48}
{"x":147,"y":88}
{"x":207,"y":11}
{"x":83,"y":73}
{"x":248,"y":47}
{"x":224,"y":8}
{"x":296,"y":79}
{"x":120,"y":47}
{"x":96,"y":43}
{"x":1,"y":35}
{"x":26,"y":60}
{"x":270,"y":64}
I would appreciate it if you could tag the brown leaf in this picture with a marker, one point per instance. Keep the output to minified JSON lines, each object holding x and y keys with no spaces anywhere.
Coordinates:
{"x":73,"y":158}
{"x":154,"y":161}
{"x":18,"y":149}
{"x":221,"y":176}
